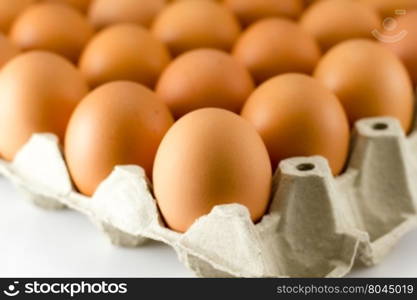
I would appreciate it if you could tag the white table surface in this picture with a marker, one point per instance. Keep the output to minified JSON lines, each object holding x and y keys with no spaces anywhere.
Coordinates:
{"x":39,"y":243}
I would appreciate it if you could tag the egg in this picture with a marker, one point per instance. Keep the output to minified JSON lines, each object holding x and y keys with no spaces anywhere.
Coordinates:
{"x":402,"y":40}
{"x":249,"y":11}
{"x":119,"y":123}
{"x":194,"y":0}
{"x":348,"y":19}
{"x":81,"y":5}
{"x":369,"y":81}
{"x":274,"y":46}
{"x":210,"y":157}
{"x":389,"y":8}
{"x":308,"y":2}
{"x":9,"y":10}
{"x":219,"y":81}
{"x":124,"y":52}
{"x":38,"y":92}
{"x":187,"y":25}
{"x":52,"y":27}
{"x":297,"y":116}
{"x":103,"y":13}
{"x":8,"y":50}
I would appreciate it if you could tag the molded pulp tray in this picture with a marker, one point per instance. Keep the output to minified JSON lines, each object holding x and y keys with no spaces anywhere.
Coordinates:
{"x":317,"y":225}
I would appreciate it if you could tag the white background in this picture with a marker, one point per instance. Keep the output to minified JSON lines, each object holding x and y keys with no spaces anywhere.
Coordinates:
{"x":39,"y":243}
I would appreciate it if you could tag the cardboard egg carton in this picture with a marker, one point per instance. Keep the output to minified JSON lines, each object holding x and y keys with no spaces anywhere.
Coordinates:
{"x":317,"y":225}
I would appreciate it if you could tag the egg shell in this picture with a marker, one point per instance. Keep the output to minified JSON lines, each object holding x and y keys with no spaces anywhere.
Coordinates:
{"x":297,"y":116}
{"x":388,"y":8}
{"x":194,"y":0}
{"x":81,"y":5}
{"x":53,"y":27}
{"x":308,"y":2}
{"x":119,"y":123}
{"x":9,"y":10}
{"x":275,"y":46}
{"x":38,"y":92}
{"x":210,"y":157}
{"x":369,"y":80}
{"x":348,"y":19}
{"x":103,"y":13}
{"x":187,"y":25}
{"x":8,"y":50}
{"x":251,"y":11}
{"x":402,"y":40}
{"x":218,"y":81}
{"x":124,"y":52}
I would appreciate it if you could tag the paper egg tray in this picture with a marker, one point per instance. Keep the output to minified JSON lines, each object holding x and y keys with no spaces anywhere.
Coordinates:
{"x":317,"y":225}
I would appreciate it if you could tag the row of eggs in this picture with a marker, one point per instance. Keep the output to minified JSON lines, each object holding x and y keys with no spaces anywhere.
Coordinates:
{"x":210,"y":155}
{"x":266,"y":41}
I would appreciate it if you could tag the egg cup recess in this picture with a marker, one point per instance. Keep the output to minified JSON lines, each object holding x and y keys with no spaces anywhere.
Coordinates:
{"x":317,"y":225}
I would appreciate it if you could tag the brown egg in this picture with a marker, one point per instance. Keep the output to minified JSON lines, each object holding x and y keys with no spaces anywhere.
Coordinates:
{"x":309,"y":2}
{"x":348,"y":19}
{"x":249,"y":11}
{"x":297,"y":116}
{"x":54,"y":27}
{"x":119,"y":123}
{"x":103,"y":13}
{"x":274,"y":46}
{"x":369,"y":81}
{"x":390,"y":8}
{"x":8,"y":50}
{"x":194,"y":0}
{"x":402,"y":40}
{"x":187,"y":25}
{"x":210,"y":157}
{"x":9,"y":10}
{"x":38,"y":92}
{"x":81,"y":5}
{"x":124,"y":52}
{"x":218,"y":81}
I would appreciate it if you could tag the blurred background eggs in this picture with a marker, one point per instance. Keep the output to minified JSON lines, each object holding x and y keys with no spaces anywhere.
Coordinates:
{"x":389,"y":8}
{"x":210,"y":157}
{"x":297,"y":116}
{"x":190,"y":24}
{"x":9,"y":10}
{"x":103,"y":13}
{"x":54,"y":27}
{"x":119,"y":123}
{"x":38,"y":92}
{"x":334,"y":21}
{"x":402,"y":40}
{"x":81,"y":5}
{"x":275,"y":46}
{"x":369,"y":81}
{"x":124,"y":52}
{"x":250,"y":11}
{"x":8,"y":50}
{"x":218,"y":81}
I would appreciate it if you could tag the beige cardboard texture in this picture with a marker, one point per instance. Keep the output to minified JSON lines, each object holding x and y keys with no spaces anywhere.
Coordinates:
{"x":317,"y":225}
